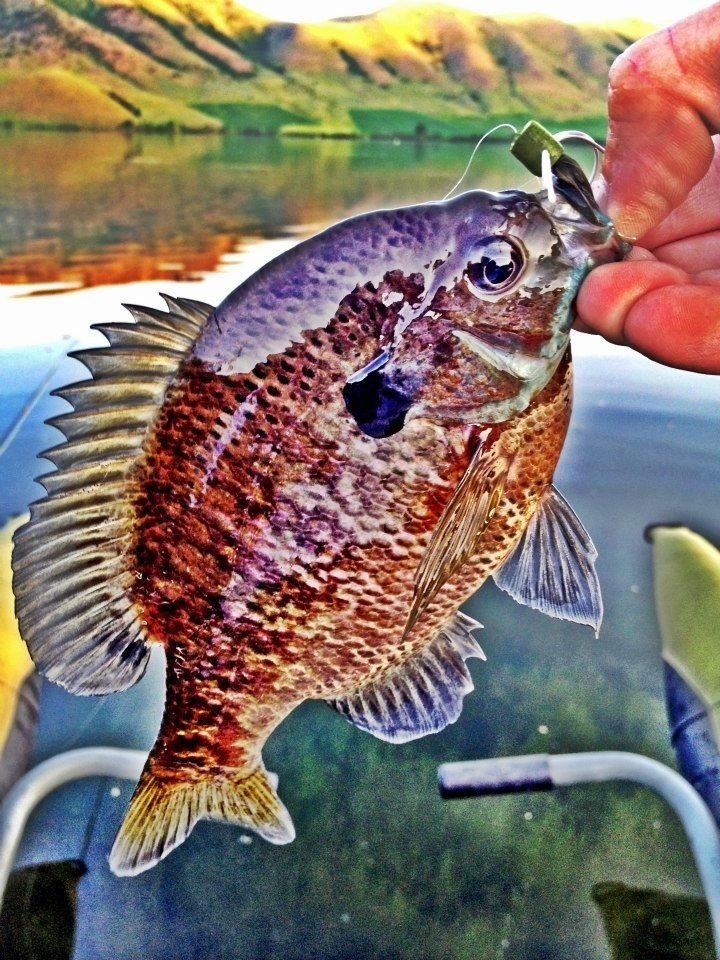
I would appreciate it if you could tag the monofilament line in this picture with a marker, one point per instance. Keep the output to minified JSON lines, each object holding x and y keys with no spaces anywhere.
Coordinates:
{"x":475,"y":150}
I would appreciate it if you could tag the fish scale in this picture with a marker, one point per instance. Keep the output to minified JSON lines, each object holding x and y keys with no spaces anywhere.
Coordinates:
{"x":292,"y":494}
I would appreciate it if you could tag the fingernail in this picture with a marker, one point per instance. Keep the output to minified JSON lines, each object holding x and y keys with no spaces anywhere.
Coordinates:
{"x":629,"y":223}
{"x":625,"y":225}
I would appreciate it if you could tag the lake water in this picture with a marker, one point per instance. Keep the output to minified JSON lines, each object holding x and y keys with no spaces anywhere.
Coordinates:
{"x":102,"y":208}
{"x":382,"y":868}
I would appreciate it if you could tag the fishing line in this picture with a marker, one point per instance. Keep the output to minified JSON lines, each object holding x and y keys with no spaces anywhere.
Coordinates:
{"x":92,"y":822}
{"x":69,"y":742}
{"x":34,"y":400}
{"x":546,"y":176}
{"x":475,"y":150}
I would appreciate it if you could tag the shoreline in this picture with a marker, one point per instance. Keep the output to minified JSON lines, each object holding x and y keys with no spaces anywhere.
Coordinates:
{"x":596,"y":125}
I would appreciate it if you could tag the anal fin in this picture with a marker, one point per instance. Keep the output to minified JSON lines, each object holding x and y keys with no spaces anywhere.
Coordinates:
{"x":424,"y":694}
{"x":552,"y":568}
{"x":163,"y":813}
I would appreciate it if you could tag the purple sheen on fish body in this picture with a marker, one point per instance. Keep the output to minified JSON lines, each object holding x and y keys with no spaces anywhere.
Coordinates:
{"x":302,"y":288}
{"x":455,"y":259}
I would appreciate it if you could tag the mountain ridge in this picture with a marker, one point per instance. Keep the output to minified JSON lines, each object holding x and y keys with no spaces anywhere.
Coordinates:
{"x":214,"y":65}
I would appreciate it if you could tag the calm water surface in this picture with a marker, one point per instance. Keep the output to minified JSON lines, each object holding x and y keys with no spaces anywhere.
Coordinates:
{"x":102,"y":208}
{"x":381,"y":868}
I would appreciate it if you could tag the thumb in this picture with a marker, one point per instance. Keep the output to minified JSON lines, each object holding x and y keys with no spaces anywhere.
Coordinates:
{"x":652,"y":162}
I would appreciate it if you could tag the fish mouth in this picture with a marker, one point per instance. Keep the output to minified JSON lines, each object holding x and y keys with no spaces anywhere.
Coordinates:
{"x":378,"y":406}
{"x":587,"y":233}
{"x":587,"y":243}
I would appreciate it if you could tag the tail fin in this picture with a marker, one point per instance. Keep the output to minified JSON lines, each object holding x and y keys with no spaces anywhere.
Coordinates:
{"x":163,"y":812}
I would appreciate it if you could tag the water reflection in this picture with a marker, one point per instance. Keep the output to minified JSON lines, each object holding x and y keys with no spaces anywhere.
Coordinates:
{"x":94,"y":208}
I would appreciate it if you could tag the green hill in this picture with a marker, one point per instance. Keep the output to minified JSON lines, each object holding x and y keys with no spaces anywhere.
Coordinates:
{"x":210,"y":64}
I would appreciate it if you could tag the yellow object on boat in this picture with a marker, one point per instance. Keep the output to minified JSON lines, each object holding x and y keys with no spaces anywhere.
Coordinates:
{"x":15,"y":662}
{"x":687,"y":591}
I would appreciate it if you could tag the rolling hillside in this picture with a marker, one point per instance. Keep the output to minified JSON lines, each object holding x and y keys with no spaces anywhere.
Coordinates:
{"x":202,"y":65}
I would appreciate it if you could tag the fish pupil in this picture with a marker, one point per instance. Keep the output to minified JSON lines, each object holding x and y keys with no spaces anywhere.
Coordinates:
{"x":499,"y":264}
{"x":495,"y":273}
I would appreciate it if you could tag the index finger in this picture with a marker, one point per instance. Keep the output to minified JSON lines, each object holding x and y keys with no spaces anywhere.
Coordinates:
{"x":664,"y":101}
{"x":657,"y":309}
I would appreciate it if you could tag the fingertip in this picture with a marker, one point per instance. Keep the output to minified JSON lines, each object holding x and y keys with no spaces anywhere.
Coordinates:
{"x":637,"y":254}
{"x":593,"y":306}
{"x":631,"y":220}
{"x":658,"y":144}
{"x":628,"y":223}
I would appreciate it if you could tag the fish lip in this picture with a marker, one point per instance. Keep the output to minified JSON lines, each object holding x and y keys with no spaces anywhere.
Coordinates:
{"x":586,"y":244}
{"x":519,"y":364}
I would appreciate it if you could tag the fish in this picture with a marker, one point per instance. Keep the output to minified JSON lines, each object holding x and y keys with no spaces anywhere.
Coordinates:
{"x":293,"y":493}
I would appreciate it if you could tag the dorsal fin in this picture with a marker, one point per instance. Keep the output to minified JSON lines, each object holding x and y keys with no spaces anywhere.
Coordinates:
{"x":70,"y":569}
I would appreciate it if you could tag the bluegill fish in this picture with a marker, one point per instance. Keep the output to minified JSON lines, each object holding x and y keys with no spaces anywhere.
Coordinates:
{"x":294,"y":492}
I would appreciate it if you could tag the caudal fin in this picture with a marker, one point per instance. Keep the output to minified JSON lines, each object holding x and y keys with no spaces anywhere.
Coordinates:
{"x":163,"y":812}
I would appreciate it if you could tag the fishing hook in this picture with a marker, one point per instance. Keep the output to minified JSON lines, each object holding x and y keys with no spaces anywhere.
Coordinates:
{"x":581,"y":136}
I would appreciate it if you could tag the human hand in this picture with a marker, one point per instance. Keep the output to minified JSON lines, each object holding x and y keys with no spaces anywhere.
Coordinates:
{"x":661,"y":185}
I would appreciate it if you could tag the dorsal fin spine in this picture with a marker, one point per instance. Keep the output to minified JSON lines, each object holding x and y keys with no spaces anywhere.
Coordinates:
{"x":81,"y":628}
{"x":84,"y":423}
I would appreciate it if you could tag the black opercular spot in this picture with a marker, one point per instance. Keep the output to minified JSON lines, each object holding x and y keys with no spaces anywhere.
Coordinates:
{"x":378,"y":407}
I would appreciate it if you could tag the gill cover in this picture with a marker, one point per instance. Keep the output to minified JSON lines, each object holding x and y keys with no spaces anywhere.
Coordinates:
{"x":493,"y":319}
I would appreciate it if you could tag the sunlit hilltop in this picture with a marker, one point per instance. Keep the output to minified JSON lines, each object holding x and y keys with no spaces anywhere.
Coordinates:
{"x":187,"y":64}
{"x":616,"y":13}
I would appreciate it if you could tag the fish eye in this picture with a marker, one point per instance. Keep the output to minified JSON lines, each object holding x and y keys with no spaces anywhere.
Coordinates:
{"x":501,"y":261}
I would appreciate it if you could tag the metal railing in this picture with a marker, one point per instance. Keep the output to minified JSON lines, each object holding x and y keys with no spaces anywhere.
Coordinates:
{"x":24,"y":796}
{"x":473,"y":778}
{"x":477,"y":778}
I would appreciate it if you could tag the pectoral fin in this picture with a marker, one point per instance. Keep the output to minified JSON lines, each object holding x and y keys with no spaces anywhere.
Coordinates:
{"x":461,"y":523}
{"x":552,"y":568}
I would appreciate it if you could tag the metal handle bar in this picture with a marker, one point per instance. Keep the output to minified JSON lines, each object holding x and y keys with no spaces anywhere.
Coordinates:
{"x":476,"y":778}
{"x":24,"y":796}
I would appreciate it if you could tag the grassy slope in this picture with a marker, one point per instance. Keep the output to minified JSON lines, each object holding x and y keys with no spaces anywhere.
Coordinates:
{"x":56,"y":98}
{"x":201,"y":65}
